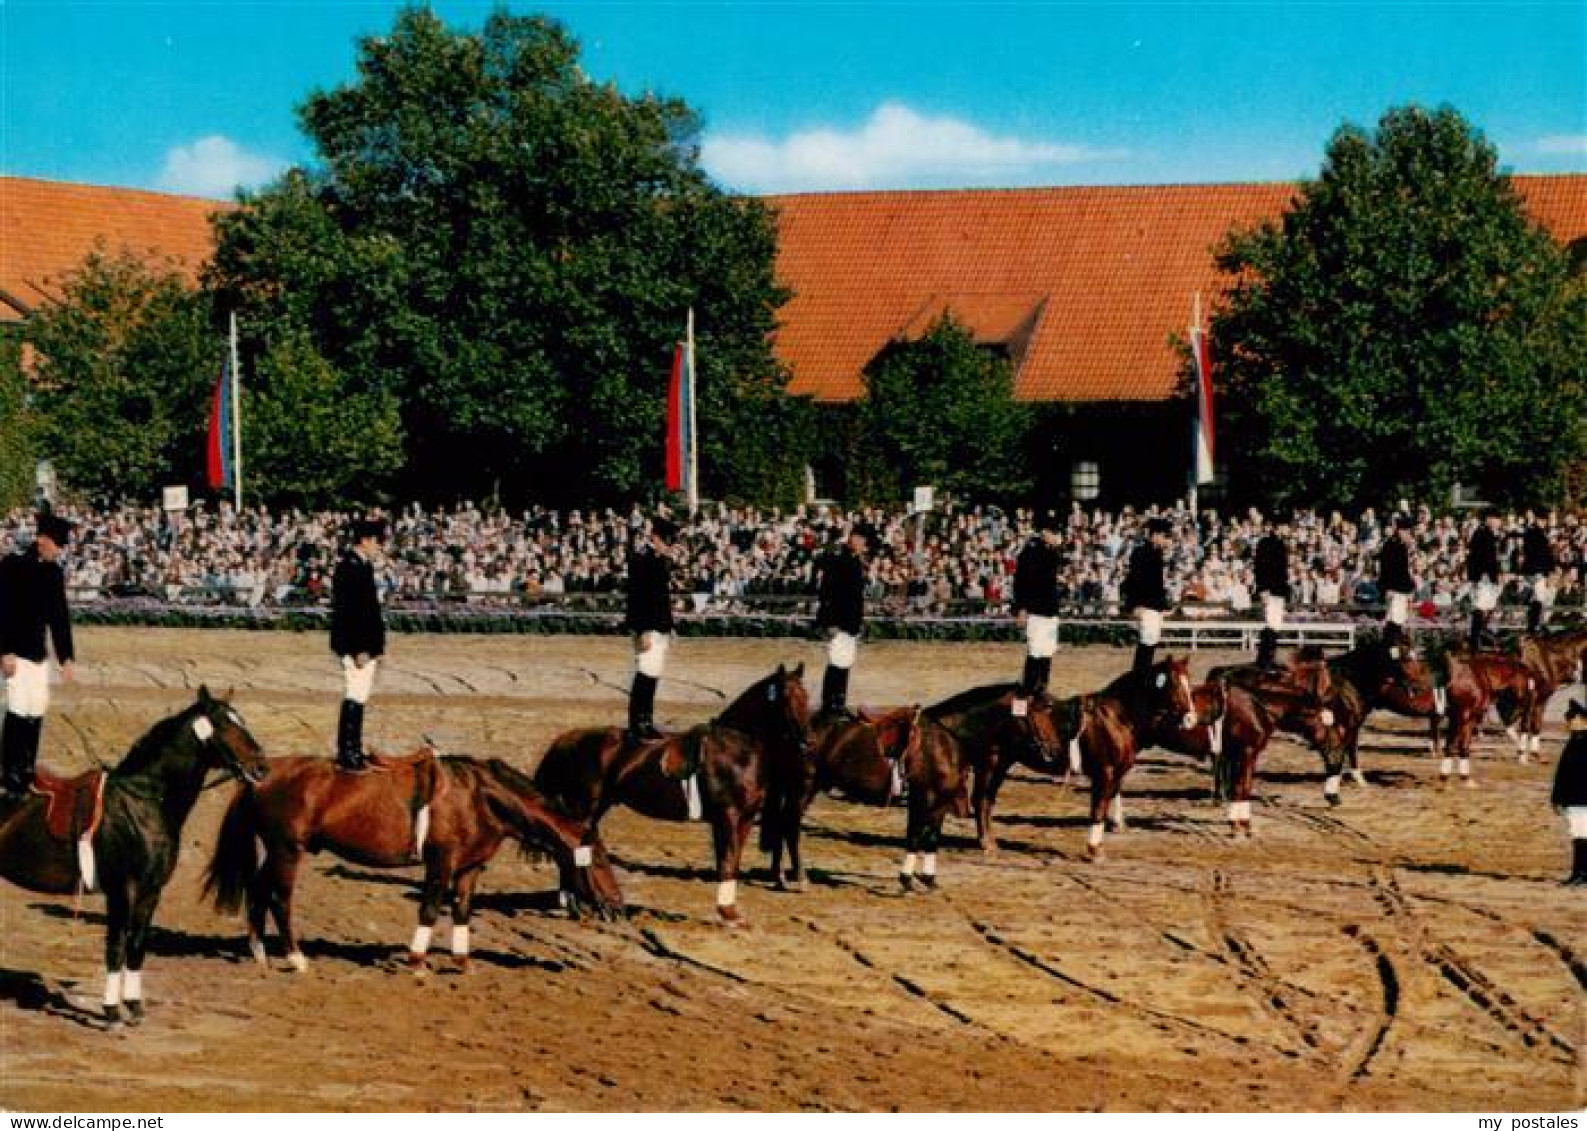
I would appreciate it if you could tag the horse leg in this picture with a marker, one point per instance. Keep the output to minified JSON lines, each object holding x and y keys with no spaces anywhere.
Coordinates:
{"x":929,"y":837}
{"x":912,"y":844}
{"x":283,"y":878}
{"x":143,"y":906}
{"x":462,"y":908}
{"x":117,"y":915}
{"x":437,"y":883}
{"x":1103,"y":789}
{"x":986,"y":787}
{"x":727,"y":835}
{"x":1115,"y":820}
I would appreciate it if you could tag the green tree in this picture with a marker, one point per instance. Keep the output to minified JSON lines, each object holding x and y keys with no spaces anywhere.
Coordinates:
{"x":125,"y":361}
{"x":511,"y":250}
{"x":309,"y":440}
{"x":17,"y":425}
{"x":1402,"y":328}
{"x":940,"y":410}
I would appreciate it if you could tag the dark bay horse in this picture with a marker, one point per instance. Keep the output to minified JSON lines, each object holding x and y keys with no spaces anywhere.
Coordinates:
{"x":749,"y":758}
{"x":306,"y":805}
{"x":1557,"y":659}
{"x":144,"y":803}
{"x":876,"y":759}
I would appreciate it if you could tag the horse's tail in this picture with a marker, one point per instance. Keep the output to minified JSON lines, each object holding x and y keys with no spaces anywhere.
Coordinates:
{"x":784,"y":807}
{"x":235,"y":863}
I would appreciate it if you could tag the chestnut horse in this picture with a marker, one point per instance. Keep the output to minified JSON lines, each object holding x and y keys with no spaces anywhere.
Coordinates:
{"x":1557,"y":660}
{"x":1478,"y":681}
{"x":472,"y":807}
{"x":143,"y":804}
{"x":1299,"y":698}
{"x":726,"y":771}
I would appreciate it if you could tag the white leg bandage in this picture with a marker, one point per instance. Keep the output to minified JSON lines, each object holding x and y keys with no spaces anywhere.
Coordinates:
{"x":928,"y":864}
{"x":1041,"y":636}
{"x":727,"y":893}
{"x":1515,"y":736}
{"x":1240,"y":811}
{"x":358,"y":682}
{"x":653,"y":660}
{"x":1331,"y":786}
{"x":1446,"y":767}
{"x":1215,"y":735}
{"x":842,"y":650}
{"x":909,"y":864}
{"x":1151,"y":622}
{"x":256,"y":947}
{"x":459,"y":940}
{"x":1537,"y":743}
{"x":1465,"y":767}
{"x":85,"y":862}
{"x":1116,"y":809}
{"x":297,"y":961}
{"x":1094,"y":837}
{"x":28,"y":691}
{"x":132,"y":985}
{"x":1074,"y":755}
{"x":691,"y":796}
{"x":583,"y":856}
{"x":112,"y":987}
{"x":1358,"y":777}
{"x":421,"y":939}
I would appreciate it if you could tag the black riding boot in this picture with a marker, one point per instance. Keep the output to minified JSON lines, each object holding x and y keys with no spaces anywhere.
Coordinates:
{"x":1143,"y":657}
{"x":1030,"y":681}
{"x":1534,"y":616}
{"x":18,"y":748}
{"x":642,"y":708}
{"x":1043,"y":674}
{"x":350,"y":737}
{"x":835,"y":691}
{"x":1266,"y":648}
{"x":1479,"y":630}
{"x":1578,"y":870}
{"x":1393,"y":636}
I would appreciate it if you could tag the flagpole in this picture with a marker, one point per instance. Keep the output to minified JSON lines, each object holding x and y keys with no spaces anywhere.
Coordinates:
{"x":694,"y":412}
{"x":1195,"y":412}
{"x":236,"y":420}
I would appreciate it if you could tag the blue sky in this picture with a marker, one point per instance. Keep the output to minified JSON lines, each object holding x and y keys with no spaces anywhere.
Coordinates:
{"x":198,"y":97}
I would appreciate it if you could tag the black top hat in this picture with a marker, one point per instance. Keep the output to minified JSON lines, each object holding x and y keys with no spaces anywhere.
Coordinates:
{"x":1404,"y":522}
{"x":369,"y":528}
{"x":1159,"y":525}
{"x":663,"y":527}
{"x":1049,"y":520}
{"x":865,"y":531}
{"x":54,"y":527}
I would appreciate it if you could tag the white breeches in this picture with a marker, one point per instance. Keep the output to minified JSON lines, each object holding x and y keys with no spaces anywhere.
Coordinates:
{"x":358,"y":682}
{"x":1041,"y":636}
{"x":1487,"y":598}
{"x":1273,"y":612}
{"x":1399,"y":608}
{"x":1151,"y":626}
{"x":653,"y":660}
{"x":28,"y":692}
{"x":1542,"y":591}
{"x":842,"y":649}
{"x":1576,"y":818}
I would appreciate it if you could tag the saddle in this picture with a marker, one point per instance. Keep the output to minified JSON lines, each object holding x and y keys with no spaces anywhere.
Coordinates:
{"x":427,"y":784}
{"x":74,"y":805}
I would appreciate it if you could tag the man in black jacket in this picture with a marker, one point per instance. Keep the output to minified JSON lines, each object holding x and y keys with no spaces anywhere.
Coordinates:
{"x":650,"y":620}
{"x":32,"y":604}
{"x":1482,"y":570}
{"x":1394,"y":578}
{"x":1537,"y":562}
{"x":1036,"y":602}
{"x":1271,"y":569}
{"x":1570,"y":791}
{"x":1144,"y":591}
{"x":358,"y":637}
{"x":840,"y":613}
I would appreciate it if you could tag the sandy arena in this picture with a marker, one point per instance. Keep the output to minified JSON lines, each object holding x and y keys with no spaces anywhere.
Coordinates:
{"x":1412,"y":949}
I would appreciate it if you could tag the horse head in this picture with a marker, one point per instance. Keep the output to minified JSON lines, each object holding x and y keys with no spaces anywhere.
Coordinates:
{"x":898,"y":733}
{"x":1167,"y":684}
{"x":225,"y":739}
{"x":776,"y":708}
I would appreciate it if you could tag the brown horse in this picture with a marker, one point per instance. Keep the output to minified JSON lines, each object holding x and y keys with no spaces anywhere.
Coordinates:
{"x":130,"y":851}
{"x":1478,"y":681}
{"x":1557,"y":659}
{"x":1298,"y":698}
{"x":726,"y":771}
{"x":453,"y":813}
{"x":877,"y":759}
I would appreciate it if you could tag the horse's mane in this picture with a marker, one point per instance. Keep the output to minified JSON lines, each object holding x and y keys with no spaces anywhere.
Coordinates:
{"x":966,"y":701}
{"x":153,"y":743}
{"x":749,"y":700}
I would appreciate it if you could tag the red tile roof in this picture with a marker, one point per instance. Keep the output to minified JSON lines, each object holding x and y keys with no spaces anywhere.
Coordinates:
{"x":1085,"y":285}
{"x":47,"y":228}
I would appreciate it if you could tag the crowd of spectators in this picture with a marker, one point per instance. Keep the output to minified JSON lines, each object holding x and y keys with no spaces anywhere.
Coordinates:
{"x":952,"y":560}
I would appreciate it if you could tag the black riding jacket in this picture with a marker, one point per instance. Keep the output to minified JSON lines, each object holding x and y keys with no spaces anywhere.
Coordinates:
{"x":1482,"y":556}
{"x":841,"y":595}
{"x":1271,"y":566}
{"x":1036,"y":578}
{"x":1394,"y":567}
{"x":1143,"y":581}
{"x":1537,"y":556}
{"x":649,"y":590}
{"x":1570,"y":779}
{"x":33,"y":601}
{"x":357,"y":626}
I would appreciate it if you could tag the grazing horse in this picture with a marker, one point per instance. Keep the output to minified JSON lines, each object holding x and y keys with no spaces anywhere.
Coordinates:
{"x":130,"y":843}
{"x":1478,"y":681}
{"x":1557,"y":659}
{"x":876,"y":759}
{"x":307,"y":806}
{"x":1301,"y":699}
{"x":726,"y":771}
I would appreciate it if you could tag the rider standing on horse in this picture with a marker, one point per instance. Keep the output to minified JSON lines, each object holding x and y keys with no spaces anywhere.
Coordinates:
{"x":1271,"y":567}
{"x":650,"y":620}
{"x":358,"y":637}
{"x":1482,"y":570}
{"x":1036,"y":602}
{"x":32,"y":603}
{"x":1538,"y":564}
{"x":840,"y":614}
{"x":1144,"y":590}
{"x":1395,"y":580}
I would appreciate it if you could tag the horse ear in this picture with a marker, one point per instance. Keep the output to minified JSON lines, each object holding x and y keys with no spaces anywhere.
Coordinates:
{"x":799,"y":672}
{"x":782,"y":670}
{"x":203,"y":693}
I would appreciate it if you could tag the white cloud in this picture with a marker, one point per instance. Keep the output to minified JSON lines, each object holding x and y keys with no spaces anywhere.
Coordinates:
{"x":214,"y":166}
{"x":895,"y":148}
{"x":1564,"y":145}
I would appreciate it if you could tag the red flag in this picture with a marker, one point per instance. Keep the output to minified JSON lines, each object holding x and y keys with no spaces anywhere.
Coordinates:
{"x":675,"y":438}
{"x":218,"y":439}
{"x":1205,"y":450}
